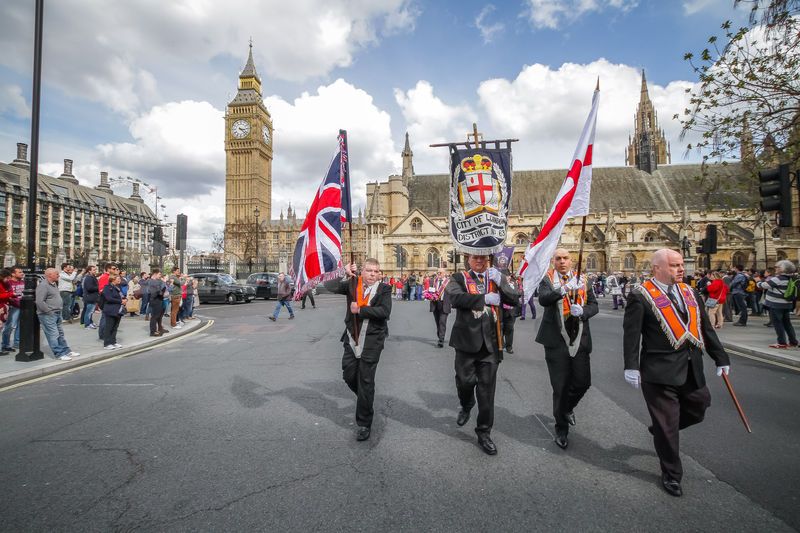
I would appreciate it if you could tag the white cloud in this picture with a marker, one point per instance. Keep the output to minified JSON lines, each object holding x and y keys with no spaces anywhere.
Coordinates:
{"x":12,"y":101}
{"x":179,"y":147}
{"x":114,"y":56}
{"x":305,"y":141}
{"x":690,"y":7}
{"x":546,"y":109}
{"x":487,"y":29}
{"x":430,"y":120}
{"x":552,"y":14}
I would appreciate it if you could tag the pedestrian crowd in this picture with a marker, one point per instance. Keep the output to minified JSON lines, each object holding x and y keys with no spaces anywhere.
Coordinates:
{"x":97,"y":301}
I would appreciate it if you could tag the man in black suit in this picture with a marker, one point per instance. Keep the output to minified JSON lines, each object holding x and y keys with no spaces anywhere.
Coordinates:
{"x":369,"y":304}
{"x":478,"y":295}
{"x":564,"y":333}
{"x":671,"y":321}
{"x":440,"y":307}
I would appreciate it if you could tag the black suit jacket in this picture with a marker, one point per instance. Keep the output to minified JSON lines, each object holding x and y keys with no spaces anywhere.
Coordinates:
{"x":442,"y":305}
{"x":549,"y":334}
{"x":377,"y":313}
{"x":658,"y":361}
{"x":469,"y":334}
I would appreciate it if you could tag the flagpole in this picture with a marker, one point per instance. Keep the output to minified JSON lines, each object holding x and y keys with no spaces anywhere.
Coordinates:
{"x":346,"y":169}
{"x":580,"y":250}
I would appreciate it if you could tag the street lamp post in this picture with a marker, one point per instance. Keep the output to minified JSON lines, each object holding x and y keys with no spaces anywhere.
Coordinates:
{"x":257,"y":213}
{"x":28,"y":321}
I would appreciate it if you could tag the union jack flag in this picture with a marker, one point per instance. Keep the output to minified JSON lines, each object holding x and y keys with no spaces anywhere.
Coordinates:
{"x":318,"y":252}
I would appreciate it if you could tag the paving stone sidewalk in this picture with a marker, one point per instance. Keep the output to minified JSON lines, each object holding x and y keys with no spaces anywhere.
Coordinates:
{"x":754,"y":339}
{"x":133,"y":334}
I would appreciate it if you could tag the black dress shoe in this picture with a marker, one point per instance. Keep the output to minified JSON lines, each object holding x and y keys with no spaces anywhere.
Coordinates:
{"x":439,"y":344}
{"x":570,"y":418}
{"x":561,"y":441}
{"x":509,"y":349}
{"x":485,"y":442}
{"x":672,"y":487}
{"x":362,"y":433}
{"x":463,"y":417}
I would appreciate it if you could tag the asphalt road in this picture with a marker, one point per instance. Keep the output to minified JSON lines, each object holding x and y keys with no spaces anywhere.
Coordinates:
{"x":248,"y":426}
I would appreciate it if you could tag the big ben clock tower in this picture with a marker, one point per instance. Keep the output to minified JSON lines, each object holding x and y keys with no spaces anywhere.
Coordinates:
{"x":248,"y":158}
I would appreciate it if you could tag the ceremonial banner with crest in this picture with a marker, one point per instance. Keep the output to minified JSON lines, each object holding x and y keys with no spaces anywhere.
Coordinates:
{"x":480,"y":194}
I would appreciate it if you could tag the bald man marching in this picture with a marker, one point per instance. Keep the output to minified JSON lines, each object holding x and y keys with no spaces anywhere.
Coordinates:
{"x":564,"y":333}
{"x":672,"y":324}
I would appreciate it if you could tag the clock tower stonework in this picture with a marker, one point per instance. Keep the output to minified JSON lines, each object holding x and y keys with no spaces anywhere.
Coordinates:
{"x":248,"y":161}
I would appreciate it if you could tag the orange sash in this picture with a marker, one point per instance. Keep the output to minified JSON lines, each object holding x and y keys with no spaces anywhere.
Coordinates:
{"x":361,"y":299}
{"x":676,"y":330}
{"x":580,"y":296}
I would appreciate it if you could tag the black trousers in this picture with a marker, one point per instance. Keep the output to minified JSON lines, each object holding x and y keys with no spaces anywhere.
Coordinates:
{"x":110,"y":330}
{"x":672,"y":409}
{"x":156,"y":314}
{"x":360,"y":377}
{"x":440,"y":319}
{"x":476,"y":375}
{"x":308,"y":294}
{"x":570,"y":378}
{"x":509,"y":317}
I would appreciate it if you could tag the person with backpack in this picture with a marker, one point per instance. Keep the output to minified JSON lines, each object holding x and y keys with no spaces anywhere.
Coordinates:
{"x":91,"y":295}
{"x":739,"y":295}
{"x":781,"y":293}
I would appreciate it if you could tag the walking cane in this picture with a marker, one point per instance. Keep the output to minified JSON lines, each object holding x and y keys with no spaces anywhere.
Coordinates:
{"x":736,"y":402}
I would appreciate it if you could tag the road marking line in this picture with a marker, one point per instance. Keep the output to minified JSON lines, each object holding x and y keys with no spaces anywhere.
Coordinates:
{"x":120,"y":356}
{"x":761,"y":360}
{"x":107,"y":385}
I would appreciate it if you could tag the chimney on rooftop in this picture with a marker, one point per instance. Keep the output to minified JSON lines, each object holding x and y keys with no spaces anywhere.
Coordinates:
{"x":22,"y":156}
{"x":135,"y":193}
{"x":104,"y":186}
{"x":67,"y":174}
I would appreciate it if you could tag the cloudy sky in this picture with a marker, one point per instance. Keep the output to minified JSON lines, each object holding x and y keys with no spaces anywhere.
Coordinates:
{"x":139,"y":88}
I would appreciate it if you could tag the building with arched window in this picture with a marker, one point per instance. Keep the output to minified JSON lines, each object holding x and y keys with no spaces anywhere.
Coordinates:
{"x":635,"y":209}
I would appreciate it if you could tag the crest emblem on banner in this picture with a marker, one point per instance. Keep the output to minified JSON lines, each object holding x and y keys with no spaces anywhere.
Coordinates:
{"x":480,"y":190}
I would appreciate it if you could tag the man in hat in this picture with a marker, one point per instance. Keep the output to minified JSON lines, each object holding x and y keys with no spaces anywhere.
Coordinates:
{"x":477,"y":295}
{"x":440,"y":305}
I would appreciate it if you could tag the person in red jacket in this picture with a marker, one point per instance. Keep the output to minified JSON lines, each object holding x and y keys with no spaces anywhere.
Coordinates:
{"x":6,"y":294}
{"x":717,"y":290}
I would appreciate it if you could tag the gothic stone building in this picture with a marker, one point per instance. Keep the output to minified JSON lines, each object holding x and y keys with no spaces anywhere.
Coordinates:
{"x":635,"y":209}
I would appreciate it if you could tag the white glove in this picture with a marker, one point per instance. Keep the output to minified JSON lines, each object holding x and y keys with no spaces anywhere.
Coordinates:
{"x":491,"y":298}
{"x":576,"y":310}
{"x":721,"y":369}
{"x":633,"y":378}
{"x":495,"y":276}
{"x":575,"y":284}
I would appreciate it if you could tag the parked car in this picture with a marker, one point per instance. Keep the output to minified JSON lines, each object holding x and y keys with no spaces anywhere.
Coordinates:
{"x":264,"y":283}
{"x":214,"y":287}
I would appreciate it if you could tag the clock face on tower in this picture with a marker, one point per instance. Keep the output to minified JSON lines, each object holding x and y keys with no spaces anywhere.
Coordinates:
{"x":265,"y":134}
{"x":240,"y":129}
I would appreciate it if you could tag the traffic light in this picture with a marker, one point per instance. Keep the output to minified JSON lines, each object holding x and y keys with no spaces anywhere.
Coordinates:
{"x":181,"y":231}
{"x":710,"y":242}
{"x":776,"y":193}
{"x":451,"y":257}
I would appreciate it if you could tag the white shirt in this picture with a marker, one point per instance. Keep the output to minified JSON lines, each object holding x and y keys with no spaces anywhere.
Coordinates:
{"x":672,"y":289}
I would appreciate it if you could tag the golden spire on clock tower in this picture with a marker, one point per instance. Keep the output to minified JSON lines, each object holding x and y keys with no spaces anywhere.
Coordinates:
{"x":248,"y":162}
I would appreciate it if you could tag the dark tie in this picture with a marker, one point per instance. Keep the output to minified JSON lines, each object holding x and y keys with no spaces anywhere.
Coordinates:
{"x":481,"y":285}
{"x":676,"y":304}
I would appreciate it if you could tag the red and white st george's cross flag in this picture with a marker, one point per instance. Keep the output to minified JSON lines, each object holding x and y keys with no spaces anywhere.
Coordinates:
{"x":572,"y":201}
